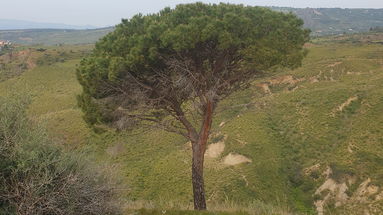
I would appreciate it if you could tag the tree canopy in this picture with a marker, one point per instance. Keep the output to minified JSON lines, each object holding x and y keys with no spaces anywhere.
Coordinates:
{"x":229,"y":45}
{"x":170,"y":69}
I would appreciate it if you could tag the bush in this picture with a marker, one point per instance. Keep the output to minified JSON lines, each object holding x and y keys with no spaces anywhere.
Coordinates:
{"x":38,"y":177}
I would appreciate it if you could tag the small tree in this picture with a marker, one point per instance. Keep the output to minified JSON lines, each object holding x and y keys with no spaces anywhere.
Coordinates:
{"x":170,"y":69}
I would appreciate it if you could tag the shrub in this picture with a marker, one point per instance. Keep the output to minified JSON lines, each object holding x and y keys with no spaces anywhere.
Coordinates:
{"x":38,"y":177}
{"x":41,"y":50}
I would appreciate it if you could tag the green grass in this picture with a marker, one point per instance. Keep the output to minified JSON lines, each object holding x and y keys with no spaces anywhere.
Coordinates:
{"x":179,"y":212}
{"x":282,"y":133}
{"x":53,"y":87}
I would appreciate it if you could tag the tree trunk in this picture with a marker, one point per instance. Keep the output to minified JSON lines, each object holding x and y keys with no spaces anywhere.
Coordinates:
{"x":197,"y":178}
{"x":199,"y":149}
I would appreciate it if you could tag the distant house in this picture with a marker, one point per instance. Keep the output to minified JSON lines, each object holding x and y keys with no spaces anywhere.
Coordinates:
{"x":5,"y":42}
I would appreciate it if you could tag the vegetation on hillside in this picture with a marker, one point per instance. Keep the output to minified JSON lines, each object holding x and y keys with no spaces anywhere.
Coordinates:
{"x":321,"y":21}
{"x":333,"y":21}
{"x":38,"y":177}
{"x":171,"y":69}
{"x":317,"y":125}
{"x":376,"y":29}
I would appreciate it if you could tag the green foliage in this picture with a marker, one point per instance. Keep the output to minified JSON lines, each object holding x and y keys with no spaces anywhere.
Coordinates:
{"x":41,"y":50}
{"x":340,"y":172}
{"x":376,"y":29}
{"x":11,"y":65}
{"x":5,"y":49}
{"x":222,"y":46}
{"x":38,"y":177}
{"x":48,"y":59}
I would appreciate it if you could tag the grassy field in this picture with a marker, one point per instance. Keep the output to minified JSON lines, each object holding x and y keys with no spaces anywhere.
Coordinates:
{"x":294,"y":127}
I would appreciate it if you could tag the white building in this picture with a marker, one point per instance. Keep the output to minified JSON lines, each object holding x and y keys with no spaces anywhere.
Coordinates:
{"x":5,"y":42}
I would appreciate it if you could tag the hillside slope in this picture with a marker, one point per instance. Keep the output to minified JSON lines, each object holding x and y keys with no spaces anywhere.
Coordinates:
{"x":322,"y":21}
{"x":310,"y":138}
{"x":332,"y":21}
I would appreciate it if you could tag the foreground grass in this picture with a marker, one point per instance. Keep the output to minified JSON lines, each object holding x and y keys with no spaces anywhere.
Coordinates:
{"x":255,"y":207}
{"x":179,"y":212}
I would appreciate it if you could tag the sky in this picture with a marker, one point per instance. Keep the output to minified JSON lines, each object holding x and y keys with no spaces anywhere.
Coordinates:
{"x":102,"y":13}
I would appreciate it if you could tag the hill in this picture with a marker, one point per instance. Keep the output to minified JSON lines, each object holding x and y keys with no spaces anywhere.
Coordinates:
{"x":322,"y":21}
{"x":331,"y":21}
{"x":308,"y":140}
{"x":54,"y":36}
{"x":10,"y":24}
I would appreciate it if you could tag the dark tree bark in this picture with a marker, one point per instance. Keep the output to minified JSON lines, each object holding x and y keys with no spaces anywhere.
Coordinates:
{"x":199,"y":149}
{"x":197,"y":178}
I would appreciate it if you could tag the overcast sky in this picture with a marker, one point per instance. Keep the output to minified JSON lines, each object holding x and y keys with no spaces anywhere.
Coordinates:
{"x":109,"y":12}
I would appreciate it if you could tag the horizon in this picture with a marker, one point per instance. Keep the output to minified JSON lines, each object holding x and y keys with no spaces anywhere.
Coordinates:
{"x":87,"y":12}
